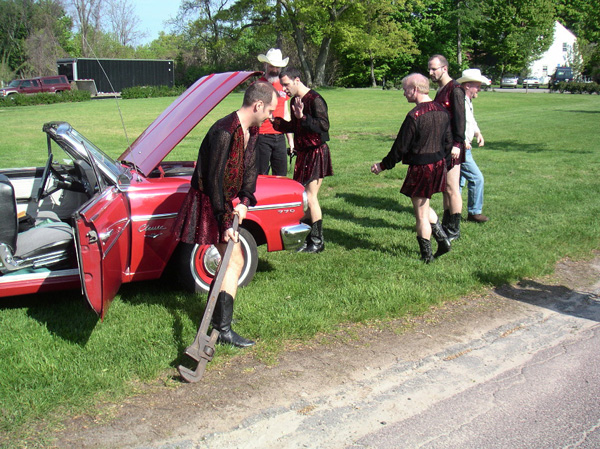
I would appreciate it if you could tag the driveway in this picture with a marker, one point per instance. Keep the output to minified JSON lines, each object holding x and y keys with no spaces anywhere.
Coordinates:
{"x":515,"y":367}
{"x":540,"y":90}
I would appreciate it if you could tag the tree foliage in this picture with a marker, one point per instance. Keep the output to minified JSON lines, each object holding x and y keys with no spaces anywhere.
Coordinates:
{"x":373,"y":39}
{"x":515,"y":33}
{"x":344,"y":42}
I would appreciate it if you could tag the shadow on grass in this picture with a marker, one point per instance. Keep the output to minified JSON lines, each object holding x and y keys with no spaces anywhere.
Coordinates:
{"x":352,"y":241}
{"x":264,"y":266}
{"x":65,"y":314}
{"x":557,"y":298}
{"x":517,"y":146}
{"x":514,"y":146}
{"x":584,"y":112}
{"x":167,"y":293}
{"x":380,"y":203}
{"x":375,"y":202}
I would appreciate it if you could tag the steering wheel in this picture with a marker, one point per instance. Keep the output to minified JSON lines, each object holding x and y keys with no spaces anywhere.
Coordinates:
{"x":62,"y":181}
{"x":45,"y":176}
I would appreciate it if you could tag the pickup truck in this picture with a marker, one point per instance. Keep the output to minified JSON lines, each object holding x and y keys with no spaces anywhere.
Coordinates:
{"x":51,"y":84}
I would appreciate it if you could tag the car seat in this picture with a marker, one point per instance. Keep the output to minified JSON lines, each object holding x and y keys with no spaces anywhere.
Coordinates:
{"x":47,"y":244}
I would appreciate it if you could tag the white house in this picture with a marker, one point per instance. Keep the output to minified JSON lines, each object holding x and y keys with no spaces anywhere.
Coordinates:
{"x":559,"y":54}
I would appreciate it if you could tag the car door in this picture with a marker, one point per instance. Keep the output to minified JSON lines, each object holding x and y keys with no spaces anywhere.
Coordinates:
{"x":102,"y":232}
{"x":36,"y":86}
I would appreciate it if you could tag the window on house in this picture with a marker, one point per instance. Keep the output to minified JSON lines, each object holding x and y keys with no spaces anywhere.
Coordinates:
{"x":545,"y":70}
{"x":565,"y":46}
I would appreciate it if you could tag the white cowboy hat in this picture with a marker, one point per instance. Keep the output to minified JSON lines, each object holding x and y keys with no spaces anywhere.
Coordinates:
{"x":274,"y":57}
{"x":473,"y":75}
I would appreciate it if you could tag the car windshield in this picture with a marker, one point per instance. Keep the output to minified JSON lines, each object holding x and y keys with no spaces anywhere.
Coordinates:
{"x":106,"y":163}
{"x":14,"y":83}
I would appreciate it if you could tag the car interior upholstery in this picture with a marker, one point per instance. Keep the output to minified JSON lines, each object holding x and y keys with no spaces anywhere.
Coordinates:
{"x":39,"y":242}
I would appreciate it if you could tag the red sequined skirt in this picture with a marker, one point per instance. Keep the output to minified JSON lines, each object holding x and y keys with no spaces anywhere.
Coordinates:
{"x":196,"y":222}
{"x":423,"y":181}
{"x":451,"y":163}
{"x":312,"y":164}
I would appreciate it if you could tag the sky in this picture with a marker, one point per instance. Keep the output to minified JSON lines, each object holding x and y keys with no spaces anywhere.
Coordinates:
{"x":152,"y":15}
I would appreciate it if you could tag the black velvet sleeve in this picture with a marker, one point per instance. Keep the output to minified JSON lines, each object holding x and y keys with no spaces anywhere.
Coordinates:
{"x":448,"y":141}
{"x":283,"y":126}
{"x":318,"y":121}
{"x":401,"y":145}
{"x":459,"y":121}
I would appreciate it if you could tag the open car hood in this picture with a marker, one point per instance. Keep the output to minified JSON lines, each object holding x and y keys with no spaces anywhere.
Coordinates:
{"x":164,"y":133}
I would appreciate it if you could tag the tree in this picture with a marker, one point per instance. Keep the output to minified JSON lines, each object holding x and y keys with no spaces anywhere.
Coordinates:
{"x":314,"y":22}
{"x":87,"y":14}
{"x":32,"y":35}
{"x":50,"y":37}
{"x":376,"y":38}
{"x":14,"y":29}
{"x":207,"y":32}
{"x":515,"y":33}
{"x":123,"y":22}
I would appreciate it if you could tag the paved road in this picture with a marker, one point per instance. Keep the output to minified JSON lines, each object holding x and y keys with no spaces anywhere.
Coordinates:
{"x":549,"y":401}
{"x":532,"y":381}
{"x":521,"y":90}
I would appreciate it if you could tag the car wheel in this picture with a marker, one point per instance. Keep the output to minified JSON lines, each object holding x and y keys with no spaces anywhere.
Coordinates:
{"x":198,"y":264}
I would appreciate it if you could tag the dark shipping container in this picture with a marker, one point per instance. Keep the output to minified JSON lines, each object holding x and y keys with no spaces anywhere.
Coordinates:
{"x":114,"y":75}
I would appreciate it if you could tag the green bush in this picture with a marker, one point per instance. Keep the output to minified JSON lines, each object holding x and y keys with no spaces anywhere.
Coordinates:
{"x":151,"y":92}
{"x":575,"y":88}
{"x":389,"y":85}
{"x":45,"y":98}
{"x":592,"y":88}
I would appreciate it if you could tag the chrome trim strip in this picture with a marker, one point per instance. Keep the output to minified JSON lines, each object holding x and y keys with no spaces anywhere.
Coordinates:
{"x":8,"y":279}
{"x":153,"y":217}
{"x":138,"y":218}
{"x":276,"y":206}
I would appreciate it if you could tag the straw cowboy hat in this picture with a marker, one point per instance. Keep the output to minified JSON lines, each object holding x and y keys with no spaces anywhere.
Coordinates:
{"x":473,"y":75}
{"x":274,"y":57}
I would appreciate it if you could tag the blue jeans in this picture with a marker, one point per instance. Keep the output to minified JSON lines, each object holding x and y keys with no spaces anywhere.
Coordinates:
{"x":471,"y":175}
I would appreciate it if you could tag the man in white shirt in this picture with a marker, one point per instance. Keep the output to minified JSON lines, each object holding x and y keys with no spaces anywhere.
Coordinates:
{"x":471,"y":82}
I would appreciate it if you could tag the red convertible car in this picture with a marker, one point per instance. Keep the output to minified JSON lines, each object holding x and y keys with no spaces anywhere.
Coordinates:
{"x":87,"y":220}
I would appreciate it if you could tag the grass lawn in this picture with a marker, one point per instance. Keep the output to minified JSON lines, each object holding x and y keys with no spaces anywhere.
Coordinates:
{"x":541,"y":166}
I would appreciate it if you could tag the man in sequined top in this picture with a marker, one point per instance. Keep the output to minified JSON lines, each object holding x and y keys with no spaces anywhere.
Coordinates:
{"x":422,"y":143}
{"x":310,"y":125}
{"x":226,"y":169}
{"x":452,"y":97}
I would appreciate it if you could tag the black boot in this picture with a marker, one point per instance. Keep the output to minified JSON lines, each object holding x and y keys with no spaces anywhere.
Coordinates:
{"x":221,"y":321}
{"x":453,"y":228}
{"x":446,"y":220}
{"x":441,"y":238}
{"x":316,"y":244}
{"x":425,"y":247}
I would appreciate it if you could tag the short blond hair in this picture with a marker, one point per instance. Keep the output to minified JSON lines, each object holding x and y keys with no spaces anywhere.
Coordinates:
{"x":416,"y":80}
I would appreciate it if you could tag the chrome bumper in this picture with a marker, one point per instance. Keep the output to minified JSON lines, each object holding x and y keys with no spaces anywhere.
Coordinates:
{"x":294,"y":236}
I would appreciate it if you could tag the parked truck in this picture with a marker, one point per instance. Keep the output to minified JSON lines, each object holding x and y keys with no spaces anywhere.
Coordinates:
{"x":561,"y":74}
{"x":113,"y":75}
{"x":30,"y":86}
